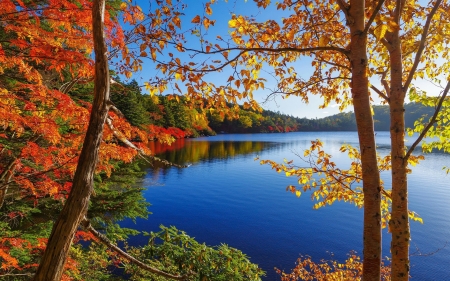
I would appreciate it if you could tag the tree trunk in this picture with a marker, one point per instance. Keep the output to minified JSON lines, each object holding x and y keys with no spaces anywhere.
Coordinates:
{"x":399,"y":222}
{"x":5,"y":177}
{"x":366,"y":135}
{"x":52,"y":263}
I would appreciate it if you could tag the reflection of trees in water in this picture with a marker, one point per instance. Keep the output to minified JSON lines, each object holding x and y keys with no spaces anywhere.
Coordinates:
{"x":184,"y":152}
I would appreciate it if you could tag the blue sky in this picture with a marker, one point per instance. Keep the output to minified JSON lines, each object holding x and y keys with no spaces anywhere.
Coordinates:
{"x":222,"y":12}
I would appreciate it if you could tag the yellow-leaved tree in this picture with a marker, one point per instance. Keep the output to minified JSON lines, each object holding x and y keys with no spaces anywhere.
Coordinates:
{"x":360,"y":51}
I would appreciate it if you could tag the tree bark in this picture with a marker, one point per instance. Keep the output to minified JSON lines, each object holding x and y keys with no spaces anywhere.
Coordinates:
{"x":5,"y":178}
{"x":366,"y":135}
{"x":399,"y":222}
{"x":52,"y":263}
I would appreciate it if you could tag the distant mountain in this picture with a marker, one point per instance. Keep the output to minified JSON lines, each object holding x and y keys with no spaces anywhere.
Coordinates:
{"x":269,"y":121}
{"x":346,"y":121}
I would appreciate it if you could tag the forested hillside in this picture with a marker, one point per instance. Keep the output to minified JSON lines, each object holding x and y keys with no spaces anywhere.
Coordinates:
{"x":165,"y":116}
{"x":346,"y":121}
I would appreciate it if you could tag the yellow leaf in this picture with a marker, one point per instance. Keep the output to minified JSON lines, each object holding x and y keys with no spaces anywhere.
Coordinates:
{"x":298,"y":193}
{"x":307,"y":36}
{"x":232,"y":23}
{"x":206,"y":23}
{"x":393,"y":26}
{"x":323,"y":41}
{"x":306,"y":152}
{"x":290,"y":35}
{"x":381,"y":31}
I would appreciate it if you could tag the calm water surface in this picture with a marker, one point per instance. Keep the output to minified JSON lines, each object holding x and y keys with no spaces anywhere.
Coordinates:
{"x":228,"y":197}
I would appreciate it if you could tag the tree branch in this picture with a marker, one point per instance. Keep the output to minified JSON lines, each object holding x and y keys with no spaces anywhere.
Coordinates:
{"x":141,"y":153}
{"x":374,"y":14}
{"x":432,"y":120}
{"x":421,"y":45}
{"x":87,"y":225}
{"x":344,"y":8}
{"x":380,"y":93}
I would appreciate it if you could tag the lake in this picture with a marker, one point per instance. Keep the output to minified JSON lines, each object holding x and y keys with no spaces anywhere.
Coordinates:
{"x":226,"y":196}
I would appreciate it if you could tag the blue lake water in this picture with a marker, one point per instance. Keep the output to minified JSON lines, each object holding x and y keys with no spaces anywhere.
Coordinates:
{"x":228,"y":197}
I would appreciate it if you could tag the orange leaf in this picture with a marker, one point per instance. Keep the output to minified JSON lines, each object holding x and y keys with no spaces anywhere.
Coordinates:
{"x":206,"y":23}
{"x":196,"y":19}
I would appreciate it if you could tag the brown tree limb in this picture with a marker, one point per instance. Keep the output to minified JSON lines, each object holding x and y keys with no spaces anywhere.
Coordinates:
{"x":103,"y":239}
{"x":380,"y":93}
{"x":6,"y":177}
{"x":141,"y":153}
{"x":374,"y":14}
{"x":432,"y":120}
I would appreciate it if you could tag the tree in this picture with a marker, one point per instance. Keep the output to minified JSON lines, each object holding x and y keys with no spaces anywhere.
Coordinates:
{"x":45,"y":55}
{"x":359,"y":51}
{"x":55,"y":255}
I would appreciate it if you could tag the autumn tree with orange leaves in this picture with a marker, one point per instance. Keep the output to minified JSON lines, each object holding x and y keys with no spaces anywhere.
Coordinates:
{"x":45,"y":60}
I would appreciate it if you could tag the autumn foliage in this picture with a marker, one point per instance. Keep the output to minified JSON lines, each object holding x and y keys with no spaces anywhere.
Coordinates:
{"x":359,"y":51}
{"x":46,"y":86}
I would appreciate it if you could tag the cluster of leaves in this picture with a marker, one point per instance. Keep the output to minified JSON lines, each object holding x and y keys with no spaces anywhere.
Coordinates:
{"x":330,"y":183}
{"x":250,"y":121}
{"x":351,"y":269}
{"x":179,"y":253}
{"x":46,"y":73}
{"x":438,"y":134}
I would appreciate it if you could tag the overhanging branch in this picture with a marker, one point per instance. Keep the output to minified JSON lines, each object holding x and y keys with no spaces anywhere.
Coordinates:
{"x":432,"y":120}
{"x":103,"y":239}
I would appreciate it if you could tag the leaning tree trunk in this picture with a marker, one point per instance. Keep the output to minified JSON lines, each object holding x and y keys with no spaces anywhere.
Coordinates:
{"x":52,"y":263}
{"x":366,"y":135}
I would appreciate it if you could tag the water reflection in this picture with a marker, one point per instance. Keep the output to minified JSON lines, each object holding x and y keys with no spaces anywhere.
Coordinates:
{"x":184,"y":152}
{"x":227,"y":197}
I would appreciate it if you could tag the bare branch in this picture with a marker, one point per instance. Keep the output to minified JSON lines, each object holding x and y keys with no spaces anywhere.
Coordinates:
{"x":432,"y":120}
{"x":141,"y":153}
{"x":380,"y":93}
{"x":421,"y":45}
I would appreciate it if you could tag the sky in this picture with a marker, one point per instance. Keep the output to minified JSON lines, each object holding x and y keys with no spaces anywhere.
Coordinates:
{"x":222,"y":12}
